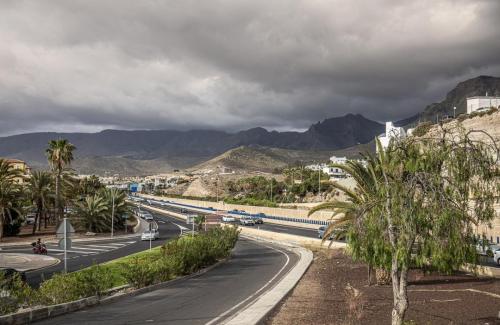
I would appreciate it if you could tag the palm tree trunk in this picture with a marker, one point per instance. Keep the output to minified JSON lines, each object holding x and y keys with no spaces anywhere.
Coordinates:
{"x":37,"y":216}
{"x":2,"y":218}
{"x":57,"y":198}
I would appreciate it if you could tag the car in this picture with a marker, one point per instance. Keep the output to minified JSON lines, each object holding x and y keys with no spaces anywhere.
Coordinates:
{"x":228,"y":219}
{"x":321,"y":232}
{"x":496,"y":256}
{"x":210,"y":208}
{"x":247,"y":222}
{"x":258,"y":220}
{"x":184,"y":211}
{"x":30,"y":218}
{"x":148,"y":217}
{"x":150,"y":235}
{"x":260,"y":215}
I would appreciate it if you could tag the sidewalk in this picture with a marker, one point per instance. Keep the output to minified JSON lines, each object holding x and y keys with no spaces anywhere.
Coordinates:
{"x":78,"y":238}
{"x":26,"y":262}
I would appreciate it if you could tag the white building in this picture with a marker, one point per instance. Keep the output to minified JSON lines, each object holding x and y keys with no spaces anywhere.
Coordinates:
{"x":391,"y":132}
{"x":338,"y":160}
{"x":316,"y":167}
{"x":477,"y":102}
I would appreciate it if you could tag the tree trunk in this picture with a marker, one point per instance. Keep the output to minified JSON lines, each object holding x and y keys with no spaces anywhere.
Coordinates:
{"x":37,"y":216}
{"x":399,"y":288}
{"x":58,"y":198}
{"x":2,"y":217}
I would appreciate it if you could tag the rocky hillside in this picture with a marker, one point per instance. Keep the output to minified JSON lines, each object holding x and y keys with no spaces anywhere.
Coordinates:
{"x":146,"y":152}
{"x":457,"y":97}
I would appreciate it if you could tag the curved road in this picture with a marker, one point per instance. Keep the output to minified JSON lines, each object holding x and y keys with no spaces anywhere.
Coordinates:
{"x":96,"y":251}
{"x":299,"y":231}
{"x":209,"y":298}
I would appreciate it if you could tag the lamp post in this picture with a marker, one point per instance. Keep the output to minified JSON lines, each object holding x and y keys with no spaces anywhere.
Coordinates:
{"x":319,"y":184}
{"x":113,"y":213}
{"x":454,"y":111}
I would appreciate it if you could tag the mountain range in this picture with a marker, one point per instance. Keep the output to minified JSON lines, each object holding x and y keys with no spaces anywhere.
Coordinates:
{"x":156,"y":151}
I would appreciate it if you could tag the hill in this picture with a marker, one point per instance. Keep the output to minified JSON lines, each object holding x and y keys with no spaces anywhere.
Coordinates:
{"x":457,"y":97}
{"x":144,"y":151}
{"x":264,"y":159}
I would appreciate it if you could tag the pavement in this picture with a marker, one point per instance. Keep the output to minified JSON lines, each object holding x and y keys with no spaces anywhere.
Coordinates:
{"x":293,"y":230}
{"x":26,"y":262}
{"x":212,"y":297}
{"x":84,"y":253}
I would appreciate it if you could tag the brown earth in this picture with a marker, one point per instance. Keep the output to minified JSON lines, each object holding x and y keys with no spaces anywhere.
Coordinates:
{"x":334,"y":290}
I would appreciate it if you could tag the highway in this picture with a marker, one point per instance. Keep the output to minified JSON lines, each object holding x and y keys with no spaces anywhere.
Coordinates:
{"x":84,"y":254}
{"x":209,"y":298}
{"x":299,"y":231}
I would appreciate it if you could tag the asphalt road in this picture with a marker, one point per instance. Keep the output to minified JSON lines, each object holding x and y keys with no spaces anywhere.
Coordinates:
{"x":299,"y":231}
{"x":207,"y":298}
{"x":84,"y":254}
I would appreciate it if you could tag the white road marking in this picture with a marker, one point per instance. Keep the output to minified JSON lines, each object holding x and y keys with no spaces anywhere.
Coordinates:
{"x":224,"y":314}
{"x":90,"y":248}
{"x":71,"y":251}
{"x":106,"y":246}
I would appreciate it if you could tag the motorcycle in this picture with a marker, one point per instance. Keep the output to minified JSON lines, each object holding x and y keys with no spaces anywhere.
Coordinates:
{"x":39,"y":249}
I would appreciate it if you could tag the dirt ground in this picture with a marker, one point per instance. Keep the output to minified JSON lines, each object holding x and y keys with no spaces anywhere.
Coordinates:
{"x":334,"y":291}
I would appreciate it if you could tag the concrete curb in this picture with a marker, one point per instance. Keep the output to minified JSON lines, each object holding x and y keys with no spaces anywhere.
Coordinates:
{"x":36,"y":314}
{"x":33,"y":261}
{"x":256,"y":312}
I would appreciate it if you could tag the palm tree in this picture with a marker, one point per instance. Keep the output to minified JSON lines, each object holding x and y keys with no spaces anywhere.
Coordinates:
{"x":59,"y":154}
{"x":92,"y":213}
{"x":117,"y":205}
{"x":359,"y":203}
{"x":9,"y":195}
{"x":9,"y":192}
{"x":39,"y":191}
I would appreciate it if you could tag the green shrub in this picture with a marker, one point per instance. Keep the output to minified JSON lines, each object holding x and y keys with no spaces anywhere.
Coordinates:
{"x":139,"y":274}
{"x":93,"y":281}
{"x":15,"y":293}
{"x":422,"y":129}
{"x":60,"y":288}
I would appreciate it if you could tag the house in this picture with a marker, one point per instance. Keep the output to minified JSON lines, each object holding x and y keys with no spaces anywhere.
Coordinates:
{"x":478,"y":102}
{"x":21,"y":166}
{"x":391,"y":133}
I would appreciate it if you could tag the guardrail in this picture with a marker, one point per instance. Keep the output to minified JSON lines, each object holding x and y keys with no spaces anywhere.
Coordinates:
{"x":242,"y":213}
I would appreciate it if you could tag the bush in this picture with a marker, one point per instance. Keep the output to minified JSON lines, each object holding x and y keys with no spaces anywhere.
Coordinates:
{"x":139,"y":274}
{"x":189,"y":254}
{"x":61,"y":288}
{"x":14,"y":293}
{"x":422,"y":129}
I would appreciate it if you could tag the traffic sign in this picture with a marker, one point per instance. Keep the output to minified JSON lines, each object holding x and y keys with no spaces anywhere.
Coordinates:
{"x":65,"y":226}
{"x":61,"y":243}
{"x":190,"y":219}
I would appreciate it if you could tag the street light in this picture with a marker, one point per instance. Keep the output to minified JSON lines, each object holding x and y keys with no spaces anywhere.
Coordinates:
{"x":113,"y":212}
{"x":454,"y":111}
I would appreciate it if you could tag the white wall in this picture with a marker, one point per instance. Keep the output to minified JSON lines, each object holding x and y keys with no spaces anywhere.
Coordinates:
{"x":473,"y":104}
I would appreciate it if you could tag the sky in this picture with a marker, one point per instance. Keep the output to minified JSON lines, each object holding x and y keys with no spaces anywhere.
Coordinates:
{"x":234,"y":64}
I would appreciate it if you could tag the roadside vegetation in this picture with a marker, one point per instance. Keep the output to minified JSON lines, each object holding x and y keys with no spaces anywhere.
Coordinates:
{"x":416,"y":205}
{"x":177,"y":257}
{"x":50,"y":195}
{"x":298,"y":183}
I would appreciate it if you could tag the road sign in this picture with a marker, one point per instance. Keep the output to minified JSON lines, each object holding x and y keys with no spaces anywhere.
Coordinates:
{"x":65,"y":231}
{"x":61,"y":243}
{"x":65,"y":228}
{"x":190,"y":219}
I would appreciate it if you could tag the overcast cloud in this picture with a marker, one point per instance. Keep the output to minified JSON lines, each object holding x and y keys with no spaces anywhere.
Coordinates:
{"x":226,"y":64}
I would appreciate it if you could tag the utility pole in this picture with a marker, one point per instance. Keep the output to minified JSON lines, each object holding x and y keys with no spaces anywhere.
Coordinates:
{"x":271,"y":190}
{"x":319,"y":184}
{"x":113,"y":213}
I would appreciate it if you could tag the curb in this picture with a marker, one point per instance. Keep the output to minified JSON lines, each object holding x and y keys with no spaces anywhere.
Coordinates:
{"x":81,"y":240}
{"x":258,"y":310}
{"x":40,"y":313}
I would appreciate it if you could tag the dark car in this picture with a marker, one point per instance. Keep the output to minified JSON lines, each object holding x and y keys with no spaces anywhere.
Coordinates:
{"x":258,"y":221}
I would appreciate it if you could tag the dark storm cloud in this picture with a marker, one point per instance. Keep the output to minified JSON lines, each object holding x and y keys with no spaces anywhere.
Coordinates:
{"x":89,"y":65}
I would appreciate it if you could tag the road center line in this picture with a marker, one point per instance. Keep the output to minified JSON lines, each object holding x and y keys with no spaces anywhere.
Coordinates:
{"x":256,"y":293}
